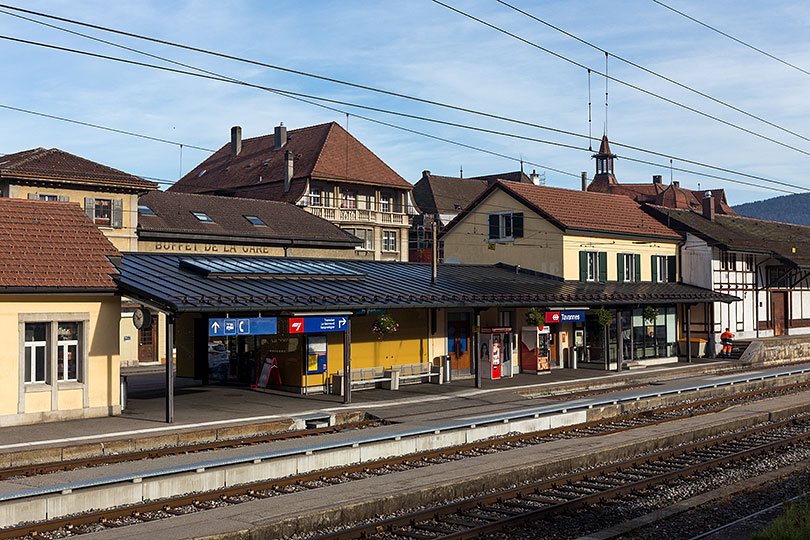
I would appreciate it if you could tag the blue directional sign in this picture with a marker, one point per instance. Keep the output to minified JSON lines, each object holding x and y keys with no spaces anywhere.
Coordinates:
{"x":300,"y":325}
{"x":253,"y":326}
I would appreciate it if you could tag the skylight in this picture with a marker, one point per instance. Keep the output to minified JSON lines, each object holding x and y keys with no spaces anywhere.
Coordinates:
{"x":202,"y":216}
{"x":202,"y":172}
{"x":145,"y":210}
{"x":255,"y":220}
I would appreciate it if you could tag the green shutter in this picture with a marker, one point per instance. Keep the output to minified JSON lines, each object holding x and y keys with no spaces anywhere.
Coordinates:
{"x":637,"y":267}
{"x":620,"y":267}
{"x":517,"y":225}
{"x":494,"y":226}
{"x":583,"y":266}
{"x":672,"y":269}
{"x":654,"y":267}
{"x":602,"y":266}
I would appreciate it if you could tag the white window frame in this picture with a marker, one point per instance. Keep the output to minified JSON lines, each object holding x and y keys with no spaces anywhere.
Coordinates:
{"x":348,"y":199}
{"x":29,"y":355}
{"x":592,"y":265}
{"x":385,"y":203}
{"x":506,"y":232}
{"x":390,"y":243}
{"x":63,"y":347}
{"x":98,"y":212}
{"x":315,"y":197}
{"x":663,"y":268}
{"x":629,"y":267}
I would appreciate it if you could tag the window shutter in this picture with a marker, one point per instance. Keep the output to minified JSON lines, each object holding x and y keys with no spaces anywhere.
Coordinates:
{"x":620,"y":267}
{"x":603,"y":266}
{"x":90,"y":207}
{"x":63,"y":198}
{"x":637,"y":268}
{"x":494,"y":226}
{"x":672,"y":269}
{"x":33,"y":196}
{"x":654,"y":266}
{"x":583,"y":266}
{"x":517,"y":225}
{"x":117,"y":213}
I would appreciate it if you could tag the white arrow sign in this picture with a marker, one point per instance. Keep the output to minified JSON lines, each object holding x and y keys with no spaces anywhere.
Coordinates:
{"x":215,"y":326}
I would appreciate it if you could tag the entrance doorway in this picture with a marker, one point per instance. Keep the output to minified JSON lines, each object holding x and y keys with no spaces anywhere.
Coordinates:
{"x":779,"y":312}
{"x":458,"y":342}
{"x":147,"y":342}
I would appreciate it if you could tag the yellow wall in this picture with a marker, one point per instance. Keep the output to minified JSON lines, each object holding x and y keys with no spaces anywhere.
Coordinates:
{"x":540,"y":248}
{"x":407,"y":346}
{"x":102,"y":381}
{"x":612,"y":246}
{"x":123,"y":239}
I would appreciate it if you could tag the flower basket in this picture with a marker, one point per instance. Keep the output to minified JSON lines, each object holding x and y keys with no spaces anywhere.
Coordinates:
{"x":383,"y":325}
{"x":603,"y":316}
{"x":650,"y":314}
{"x":535,"y":317}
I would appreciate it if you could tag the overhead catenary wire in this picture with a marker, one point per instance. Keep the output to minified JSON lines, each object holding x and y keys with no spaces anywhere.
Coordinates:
{"x":420,"y":117}
{"x":623,"y":82}
{"x":396,"y":94}
{"x":729,"y":36}
{"x":659,"y":75}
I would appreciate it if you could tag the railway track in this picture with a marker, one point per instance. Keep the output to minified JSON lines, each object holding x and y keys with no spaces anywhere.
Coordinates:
{"x":262,"y":490}
{"x":689,"y":406}
{"x":493,"y":513}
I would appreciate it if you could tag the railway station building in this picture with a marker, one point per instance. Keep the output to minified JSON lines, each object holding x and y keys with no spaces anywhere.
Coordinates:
{"x":59,"y":314}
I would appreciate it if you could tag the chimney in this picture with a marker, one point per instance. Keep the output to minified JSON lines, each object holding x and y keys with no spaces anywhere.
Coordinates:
{"x":656,"y":179}
{"x":535,"y":177}
{"x":708,"y":206}
{"x":584,"y":181}
{"x":279,"y":136}
{"x":236,"y":140}
{"x":288,"y":169}
{"x":676,"y":183}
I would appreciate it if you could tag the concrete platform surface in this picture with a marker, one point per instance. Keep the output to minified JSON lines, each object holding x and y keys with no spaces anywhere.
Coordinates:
{"x":200,"y":408}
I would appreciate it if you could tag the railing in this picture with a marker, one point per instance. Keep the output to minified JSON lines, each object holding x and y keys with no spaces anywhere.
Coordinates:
{"x":358,"y":214}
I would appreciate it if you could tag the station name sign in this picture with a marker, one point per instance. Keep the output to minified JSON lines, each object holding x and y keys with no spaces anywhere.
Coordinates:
{"x":301,"y":325}
{"x":253,"y":326}
{"x":564,"y":316}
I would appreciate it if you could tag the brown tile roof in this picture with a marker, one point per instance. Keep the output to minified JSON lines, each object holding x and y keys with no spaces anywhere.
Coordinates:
{"x":584,"y":211}
{"x":785,"y":241}
{"x":669,"y":195}
{"x":58,"y":165}
{"x":436,"y":194}
{"x":284,"y":221}
{"x":45,"y":244}
{"x":325,"y":151}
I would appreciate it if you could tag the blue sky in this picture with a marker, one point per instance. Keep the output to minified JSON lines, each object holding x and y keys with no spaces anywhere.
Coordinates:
{"x":419,"y":48}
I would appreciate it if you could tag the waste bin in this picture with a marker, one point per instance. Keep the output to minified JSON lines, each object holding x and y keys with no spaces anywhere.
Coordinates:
{"x":446,"y":370}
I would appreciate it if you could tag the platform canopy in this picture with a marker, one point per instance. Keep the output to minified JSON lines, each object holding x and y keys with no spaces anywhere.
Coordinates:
{"x":199,"y":283}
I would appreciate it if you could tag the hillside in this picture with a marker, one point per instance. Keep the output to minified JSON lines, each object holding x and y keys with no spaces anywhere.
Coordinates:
{"x":787,"y":209}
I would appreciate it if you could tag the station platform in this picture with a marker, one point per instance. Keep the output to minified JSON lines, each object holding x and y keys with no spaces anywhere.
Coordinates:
{"x":221,"y":411}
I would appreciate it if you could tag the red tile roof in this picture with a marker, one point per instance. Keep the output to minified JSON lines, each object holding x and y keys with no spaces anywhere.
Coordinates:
{"x":45,"y":244}
{"x":586,"y":211}
{"x":58,"y":165}
{"x":325,"y":151}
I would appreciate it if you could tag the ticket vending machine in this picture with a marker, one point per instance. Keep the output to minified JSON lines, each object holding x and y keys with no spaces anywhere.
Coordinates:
{"x":534,"y":349}
{"x":495,"y":354}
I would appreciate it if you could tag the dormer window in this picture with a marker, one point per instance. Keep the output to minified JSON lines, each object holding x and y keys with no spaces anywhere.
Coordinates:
{"x":255,"y":220}
{"x":202,"y":216}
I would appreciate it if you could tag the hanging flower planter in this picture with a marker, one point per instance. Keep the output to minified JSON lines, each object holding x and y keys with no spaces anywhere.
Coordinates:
{"x":535,"y":317}
{"x":603,"y":316}
{"x":383,"y":325}
{"x":650,"y":314}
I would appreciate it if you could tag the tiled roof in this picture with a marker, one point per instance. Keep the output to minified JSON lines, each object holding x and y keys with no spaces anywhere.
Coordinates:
{"x":659,"y":194}
{"x":597,"y":212}
{"x":171,"y":280}
{"x":284,"y":221}
{"x":450,"y":194}
{"x":786,"y":241}
{"x":57,"y":165}
{"x":325,"y":151}
{"x":45,"y":244}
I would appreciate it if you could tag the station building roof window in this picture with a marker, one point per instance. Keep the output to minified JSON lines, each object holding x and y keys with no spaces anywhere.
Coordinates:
{"x":202,"y":216}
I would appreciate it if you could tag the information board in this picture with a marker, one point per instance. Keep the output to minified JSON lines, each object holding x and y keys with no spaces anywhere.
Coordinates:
{"x":253,"y":326}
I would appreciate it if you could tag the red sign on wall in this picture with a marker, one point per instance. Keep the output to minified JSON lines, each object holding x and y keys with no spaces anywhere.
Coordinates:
{"x":296,"y":325}
{"x":552,"y":316}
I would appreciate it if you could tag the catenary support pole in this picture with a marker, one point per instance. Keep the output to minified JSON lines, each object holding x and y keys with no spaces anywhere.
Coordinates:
{"x":477,"y":348}
{"x":688,"y":309}
{"x":619,"y":341}
{"x":347,"y":362}
{"x":169,"y":368}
